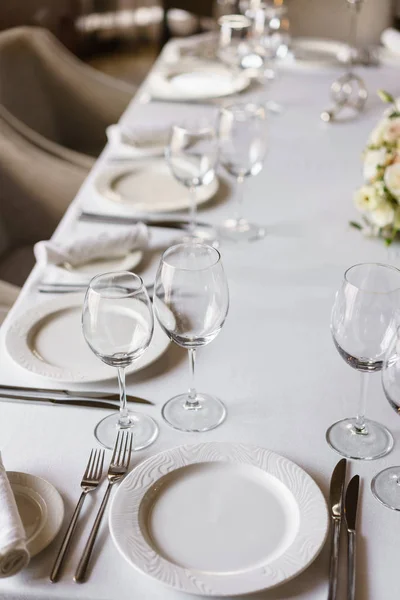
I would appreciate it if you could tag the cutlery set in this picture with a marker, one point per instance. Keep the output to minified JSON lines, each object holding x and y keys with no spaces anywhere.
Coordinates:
{"x":343,"y":505}
{"x":91,"y":479}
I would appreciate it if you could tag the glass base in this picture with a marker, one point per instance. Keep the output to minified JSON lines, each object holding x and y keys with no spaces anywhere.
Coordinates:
{"x":240,"y":230}
{"x":385,"y":487}
{"x":144,"y":430}
{"x":375,"y":442}
{"x":208,"y":414}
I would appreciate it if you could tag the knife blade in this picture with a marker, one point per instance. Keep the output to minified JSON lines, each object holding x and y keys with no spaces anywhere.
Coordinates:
{"x":350,"y":513}
{"x":336,"y":506}
{"x":73,"y":402}
{"x":49,"y":394}
{"x":123,"y":220}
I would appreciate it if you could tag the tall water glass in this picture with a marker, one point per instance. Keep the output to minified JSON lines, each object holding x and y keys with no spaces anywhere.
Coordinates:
{"x":118,"y":323}
{"x":192,"y":155}
{"x":191,"y":303}
{"x":364,"y":319}
{"x":242,"y":131}
{"x":386,"y":484}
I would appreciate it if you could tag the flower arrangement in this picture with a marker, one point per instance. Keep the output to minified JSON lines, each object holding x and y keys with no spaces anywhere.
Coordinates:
{"x":379,"y":198}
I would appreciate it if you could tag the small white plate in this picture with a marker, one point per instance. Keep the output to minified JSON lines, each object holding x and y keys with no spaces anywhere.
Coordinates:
{"x":41,"y":509}
{"x":314,"y":53}
{"x":219,"y":519}
{"x":106,"y":265}
{"x":47,"y":340}
{"x":195,"y":80}
{"x":149,"y":187}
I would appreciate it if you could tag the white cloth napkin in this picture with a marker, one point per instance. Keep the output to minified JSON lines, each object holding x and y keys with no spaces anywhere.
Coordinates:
{"x":390,"y":38}
{"x":110,"y":244}
{"x":14,"y":555}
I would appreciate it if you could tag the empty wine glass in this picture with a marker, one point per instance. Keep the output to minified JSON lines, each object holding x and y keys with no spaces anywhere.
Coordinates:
{"x":192,"y":155}
{"x":191,"y":302}
{"x":242,"y":130}
{"x":234,"y":40}
{"x":386,"y":484}
{"x":118,"y":323}
{"x":364,"y":318}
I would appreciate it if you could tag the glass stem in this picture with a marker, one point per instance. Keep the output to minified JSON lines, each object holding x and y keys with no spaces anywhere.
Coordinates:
{"x":123,"y":420}
{"x":360,"y":418}
{"x":192,"y":402}
{"x":239,"y":198}
{"x":192,"y":210}
{"x":353,"y":33}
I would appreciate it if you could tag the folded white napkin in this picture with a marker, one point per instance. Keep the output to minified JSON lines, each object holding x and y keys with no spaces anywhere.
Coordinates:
{"x":14,"y":555}
{"x":137,"y":142}
{"x":110,"y":244}
{"x":390,"y":38}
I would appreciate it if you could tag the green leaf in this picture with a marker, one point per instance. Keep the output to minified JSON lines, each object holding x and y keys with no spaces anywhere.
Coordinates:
{"x":394,"y":114}
{"x":386,"y":97}
{"x":355,"y":225}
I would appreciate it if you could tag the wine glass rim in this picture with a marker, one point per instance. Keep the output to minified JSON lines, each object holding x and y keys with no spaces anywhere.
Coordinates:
{"x":126,"y":294}
{"x":371,"y":264}
{"x":194,"y":130}
{"x":235,"y":21}
{"x":191,"y":245}
{"x":243,"y":107}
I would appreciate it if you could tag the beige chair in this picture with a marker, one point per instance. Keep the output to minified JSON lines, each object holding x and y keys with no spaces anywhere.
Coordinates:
{"x":35,"y":190}
{"x":53,"y":99}
{"x":8,"y":295}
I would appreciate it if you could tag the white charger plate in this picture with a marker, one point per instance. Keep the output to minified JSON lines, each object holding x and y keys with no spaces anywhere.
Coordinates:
{"x":314,"y":53}
{"x":196,"y":80}
{"x":219,"y":519}
{"x":149,"y":187}
{"x":47,"y":340}
{"x":41,"y":509}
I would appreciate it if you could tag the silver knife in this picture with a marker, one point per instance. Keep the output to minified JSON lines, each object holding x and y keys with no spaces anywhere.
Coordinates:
{"x":123,"y":220}
{"x":73,"y":402}
{"x":336,"y":506}
{"x":49,"y":394}
{"x":350,"y":513}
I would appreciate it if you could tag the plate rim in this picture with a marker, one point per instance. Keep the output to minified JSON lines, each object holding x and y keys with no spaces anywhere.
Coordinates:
{"x":149,"y":562}
{"x":55,"y":516}
{"x":101,"y":185}
{"x":17,"y":347}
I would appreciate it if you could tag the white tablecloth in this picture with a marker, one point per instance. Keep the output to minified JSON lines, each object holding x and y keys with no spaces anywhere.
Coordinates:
{"x":273,"y":364}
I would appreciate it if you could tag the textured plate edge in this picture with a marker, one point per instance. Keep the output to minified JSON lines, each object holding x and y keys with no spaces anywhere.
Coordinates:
{"x":230,"y":593}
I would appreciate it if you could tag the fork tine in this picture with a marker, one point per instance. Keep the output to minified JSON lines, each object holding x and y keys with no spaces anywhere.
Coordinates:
{"x":129,"y":455}
{"x":85,"y":475}
{"x":125,"y":447}
{"x":120,"y":455}
{"x":99,"y":466}
{"x":116,"y":447}
{"x":93,"y":465}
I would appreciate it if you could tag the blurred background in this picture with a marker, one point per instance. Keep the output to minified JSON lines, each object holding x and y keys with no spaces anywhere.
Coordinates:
{"x":123,"y":37}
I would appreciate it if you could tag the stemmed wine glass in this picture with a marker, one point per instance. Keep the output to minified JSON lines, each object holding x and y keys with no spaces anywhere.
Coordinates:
{"x":242,"y":130}
{"x":386,"y":484}
{"x":191,"y":302}
{"x":364,"y":318}
{"x":118,"y":323}
{"x":192,"y":155}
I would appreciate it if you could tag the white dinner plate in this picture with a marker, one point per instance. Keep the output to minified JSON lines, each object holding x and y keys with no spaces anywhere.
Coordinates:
{"x":105,"y":265}
{"x":314,"y":53}
{"x":219,"y":519}
{"x":149,"y":187}
{"x":41,"y":509}
{"x":47,"y":340}
{"x":196,"y":80}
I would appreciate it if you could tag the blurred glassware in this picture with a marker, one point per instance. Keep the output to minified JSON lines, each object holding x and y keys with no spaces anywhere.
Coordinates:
{"x":242,"y":131}
{"x":192,"y":155}
{"x":191,"y":301}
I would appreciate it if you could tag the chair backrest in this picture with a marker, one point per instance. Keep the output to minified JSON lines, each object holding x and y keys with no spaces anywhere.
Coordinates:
{"x":35,"y":190}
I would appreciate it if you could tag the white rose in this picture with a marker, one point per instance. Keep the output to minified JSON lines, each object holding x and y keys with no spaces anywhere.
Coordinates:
{"x":392,"y":131}
{"x":372,"y":160}
{"x":377,"y":136}
{"x":367,"y":198}
{"x":382,"y":215}
{"x":392,"y":180}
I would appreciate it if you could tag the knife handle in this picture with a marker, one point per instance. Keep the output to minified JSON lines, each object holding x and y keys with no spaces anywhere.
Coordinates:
{"x":334,"y":560}
{"x":351,"y":565}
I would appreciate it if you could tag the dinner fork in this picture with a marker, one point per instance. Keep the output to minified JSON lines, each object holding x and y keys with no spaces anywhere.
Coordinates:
{"x":116,"y":471}
{"x":90,"y":480}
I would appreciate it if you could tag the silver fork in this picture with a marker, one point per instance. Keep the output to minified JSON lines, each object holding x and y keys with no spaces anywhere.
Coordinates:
{"x":116,"y":471}
{"x":90,"y":480}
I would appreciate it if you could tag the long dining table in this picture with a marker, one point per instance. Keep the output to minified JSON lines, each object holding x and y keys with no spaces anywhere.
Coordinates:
{"x":274,"y":363}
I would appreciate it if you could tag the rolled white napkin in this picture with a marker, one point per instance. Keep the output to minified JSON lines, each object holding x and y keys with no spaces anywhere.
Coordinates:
{"x":390,"y":38}
{"x":14,"y":555}
{"x":110,"y":244}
